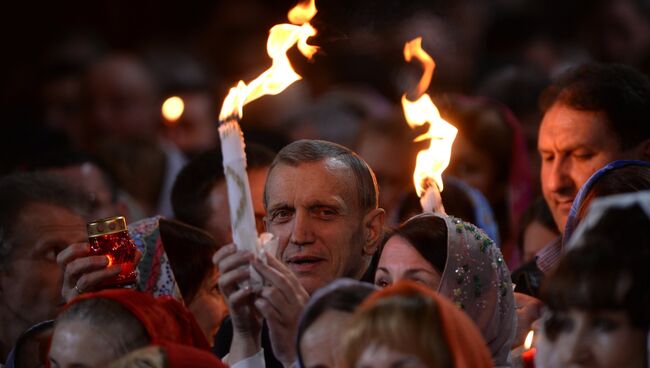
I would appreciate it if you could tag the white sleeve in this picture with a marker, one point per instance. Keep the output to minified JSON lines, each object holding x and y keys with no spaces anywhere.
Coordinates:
{"x":255,"y":361}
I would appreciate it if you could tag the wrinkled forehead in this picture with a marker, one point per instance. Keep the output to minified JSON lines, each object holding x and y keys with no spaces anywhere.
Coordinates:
{"x":314,"y":180}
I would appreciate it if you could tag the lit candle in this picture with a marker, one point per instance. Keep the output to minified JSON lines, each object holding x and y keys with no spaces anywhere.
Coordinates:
{"x":271,"y":82}
{"x":528,"y":356}
{"x":430,"y":163}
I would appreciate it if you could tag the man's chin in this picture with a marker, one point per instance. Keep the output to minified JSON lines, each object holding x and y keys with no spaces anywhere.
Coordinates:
{"x":561,"y":221}
{"x":311,"y":283}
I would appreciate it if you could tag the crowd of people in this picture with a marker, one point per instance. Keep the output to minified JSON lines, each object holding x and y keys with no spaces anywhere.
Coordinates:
{"x":545,"y":226}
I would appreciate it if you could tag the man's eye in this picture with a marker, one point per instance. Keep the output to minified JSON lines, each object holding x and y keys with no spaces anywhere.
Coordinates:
{"x":605,"y":324}
{"x":281,"y":216}
{"x":583,"y":156}
{"x":51,"y":253}
{"x":325,"y":213}
{"x":547,"y":158}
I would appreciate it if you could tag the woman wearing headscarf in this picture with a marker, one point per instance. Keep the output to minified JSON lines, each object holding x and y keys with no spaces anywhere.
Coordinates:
{"x":458,"y":260}
{"x":176,"y":262}
{"x":408,"y":324}
{"x":497,"y":166}
{"x":97,"y":328}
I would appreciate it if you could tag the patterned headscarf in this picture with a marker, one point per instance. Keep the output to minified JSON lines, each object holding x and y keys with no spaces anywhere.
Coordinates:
{"x":155,"y":274}
{"x":476,"y":278}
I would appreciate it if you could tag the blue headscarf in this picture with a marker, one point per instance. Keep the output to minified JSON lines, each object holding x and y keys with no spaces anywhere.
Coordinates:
{"x":483,"y":214}
{"x":572,"y":220}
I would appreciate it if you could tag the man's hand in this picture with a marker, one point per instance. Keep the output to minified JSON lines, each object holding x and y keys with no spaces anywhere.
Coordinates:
{"x":83,"y":272}
{"x":529,"y":309}
{"x":233,"y":266}
{"x":281,"y":301}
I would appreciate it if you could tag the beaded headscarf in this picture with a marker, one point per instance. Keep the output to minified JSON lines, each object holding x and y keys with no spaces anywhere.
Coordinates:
{"x":476,"y":278}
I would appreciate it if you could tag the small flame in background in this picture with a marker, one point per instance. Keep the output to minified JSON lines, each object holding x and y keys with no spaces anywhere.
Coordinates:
{"x":172,"y":109}
{"x":281,"y":74}
{"x":528,"y":343}
{"x":432,"y":161}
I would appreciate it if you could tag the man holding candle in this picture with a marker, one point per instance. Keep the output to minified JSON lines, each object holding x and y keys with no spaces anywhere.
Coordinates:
{"x":321,"y":202}
{"x":40,"y":216}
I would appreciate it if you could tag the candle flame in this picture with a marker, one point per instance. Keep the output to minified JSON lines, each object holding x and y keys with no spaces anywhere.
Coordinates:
{"x":281,"y":74}
{"x":528,"y":343}
{"x":172,"y":109}
{"x":431,"y":162}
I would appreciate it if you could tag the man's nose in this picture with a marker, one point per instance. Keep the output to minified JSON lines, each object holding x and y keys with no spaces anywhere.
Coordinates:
{"x":302,"y":231}
{"x":559,"y":178}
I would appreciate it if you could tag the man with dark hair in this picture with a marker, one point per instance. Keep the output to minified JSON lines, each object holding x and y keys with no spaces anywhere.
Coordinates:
{"x":593,"y":114}
{"x":200,"y":198}
{"x":322,"y":205}
{"x":39,"y":216}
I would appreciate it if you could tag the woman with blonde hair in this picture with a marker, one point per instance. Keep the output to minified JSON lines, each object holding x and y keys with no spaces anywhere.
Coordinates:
{"x":409,"y":325}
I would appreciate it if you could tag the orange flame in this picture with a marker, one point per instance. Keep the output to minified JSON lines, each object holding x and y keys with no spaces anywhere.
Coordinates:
{"x":432,"y":161}
{"x":281,"y":74}
{"x":528,"y":343}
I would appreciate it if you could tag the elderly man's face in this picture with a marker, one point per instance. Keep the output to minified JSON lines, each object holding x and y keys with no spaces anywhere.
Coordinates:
{"x":313,"y":209}
{"x":573,"y":144}
{"x":30,"y":285}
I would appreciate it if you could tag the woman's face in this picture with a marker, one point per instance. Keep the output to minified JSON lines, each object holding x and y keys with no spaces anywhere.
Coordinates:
{"x":382,"y":356}
{"x":598,"y":339}
{"x":208,"y":306}
{"x":401,"y":261}
{"x":77,"y":344}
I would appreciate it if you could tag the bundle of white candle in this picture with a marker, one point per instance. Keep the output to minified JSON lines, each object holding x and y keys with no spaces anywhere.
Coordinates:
{"x":272,"y":81}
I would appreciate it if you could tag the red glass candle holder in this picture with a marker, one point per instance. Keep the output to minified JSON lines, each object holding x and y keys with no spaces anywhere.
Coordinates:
{"x":110,"y":237}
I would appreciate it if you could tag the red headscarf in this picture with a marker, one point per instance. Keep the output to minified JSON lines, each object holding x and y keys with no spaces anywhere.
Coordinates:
{"x":165,"y":319}
{"x":466,"y":345}
{"x":168,"y":356}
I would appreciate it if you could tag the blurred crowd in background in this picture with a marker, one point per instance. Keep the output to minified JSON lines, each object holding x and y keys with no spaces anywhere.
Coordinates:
{"x":83,"y":84}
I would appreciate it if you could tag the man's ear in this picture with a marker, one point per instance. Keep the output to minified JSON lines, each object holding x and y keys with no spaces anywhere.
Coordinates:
{"x":643,"y":150}
{"x":373,"y":225}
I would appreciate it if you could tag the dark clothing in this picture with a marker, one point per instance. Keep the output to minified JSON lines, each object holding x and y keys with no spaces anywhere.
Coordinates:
{"x":528,"y":279}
